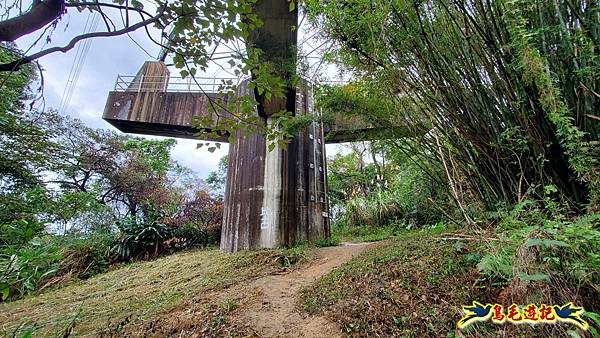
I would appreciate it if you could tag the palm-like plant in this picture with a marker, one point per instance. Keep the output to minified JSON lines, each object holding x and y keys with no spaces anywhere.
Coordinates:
{"x":139,"y":239}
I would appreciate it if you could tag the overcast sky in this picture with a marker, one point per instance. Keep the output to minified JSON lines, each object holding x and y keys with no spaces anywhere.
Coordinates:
{"x":106,"y":58}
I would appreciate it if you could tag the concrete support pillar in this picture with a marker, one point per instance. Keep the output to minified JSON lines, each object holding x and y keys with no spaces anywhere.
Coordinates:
{"x":278,"y":197}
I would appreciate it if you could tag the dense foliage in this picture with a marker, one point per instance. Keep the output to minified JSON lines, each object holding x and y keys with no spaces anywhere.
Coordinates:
{"x":503,"y":93}
{"x":376,"y":184}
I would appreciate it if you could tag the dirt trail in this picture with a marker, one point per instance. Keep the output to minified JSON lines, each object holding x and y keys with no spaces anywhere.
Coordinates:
{"x":273,"y":313}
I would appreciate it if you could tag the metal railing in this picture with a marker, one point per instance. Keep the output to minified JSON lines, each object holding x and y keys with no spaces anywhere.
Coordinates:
{"x":130,"y":83}
{"x":126,"y":83}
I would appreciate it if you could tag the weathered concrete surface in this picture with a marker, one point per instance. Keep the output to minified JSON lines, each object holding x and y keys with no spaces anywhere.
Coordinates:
{"x":171,"y":114}
{"x":276,"y":197}
{"x":158,"y":113}
{"x":277,"y":38}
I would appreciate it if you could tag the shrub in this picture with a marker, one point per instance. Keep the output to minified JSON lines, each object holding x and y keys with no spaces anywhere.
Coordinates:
{"x":81,"y":257}
{"x":377,"y":209}
{"x":140,"y":239}
{"x":541,"y":248}
{"x":325,"y":242}
{"x":19,"y":232}
{"x":22,"y":270}
{"x":391,"y":207}
{"x":50,"y":261}
{"x":363,"y":233}
{"x":191,"y":236}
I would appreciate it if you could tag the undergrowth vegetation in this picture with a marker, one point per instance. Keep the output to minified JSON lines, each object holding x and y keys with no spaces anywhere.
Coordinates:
{"x":118,"y":301}
{"x":543,"y":255}
{"x":484,"y":177}
{"x":364,"y":233}
{"x":415,"y":286}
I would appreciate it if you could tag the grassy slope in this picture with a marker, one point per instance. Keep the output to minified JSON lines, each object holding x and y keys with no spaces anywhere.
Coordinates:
{"x":363,"y":233}
{"x":133,"y":293}
{"x":413,"y":286}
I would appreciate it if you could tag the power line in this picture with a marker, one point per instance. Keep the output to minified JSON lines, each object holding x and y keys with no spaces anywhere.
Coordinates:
{"x":78,"y":63}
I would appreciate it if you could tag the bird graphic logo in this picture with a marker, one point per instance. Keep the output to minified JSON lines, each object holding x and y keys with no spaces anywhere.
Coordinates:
{"x":571,"y":314}
{"x":515,"y":314}
{"x":475,"y":313}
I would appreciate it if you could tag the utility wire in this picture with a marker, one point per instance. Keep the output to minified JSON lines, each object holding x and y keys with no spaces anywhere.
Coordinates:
{"x":72,"y":69}
{"x":80,"y":56}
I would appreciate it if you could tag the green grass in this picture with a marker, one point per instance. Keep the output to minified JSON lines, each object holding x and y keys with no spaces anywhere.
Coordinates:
{"x":363,"y":233}
{"x":137,"y":292}
{"x":345,"y":233}
{"x":325,"y":242}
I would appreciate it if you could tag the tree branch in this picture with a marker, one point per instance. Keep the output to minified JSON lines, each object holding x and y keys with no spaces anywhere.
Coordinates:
{"x":94,"y":5}
{"x":104,"y":17}
{"x":14,"y":65}
{"x":41,"y":14}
